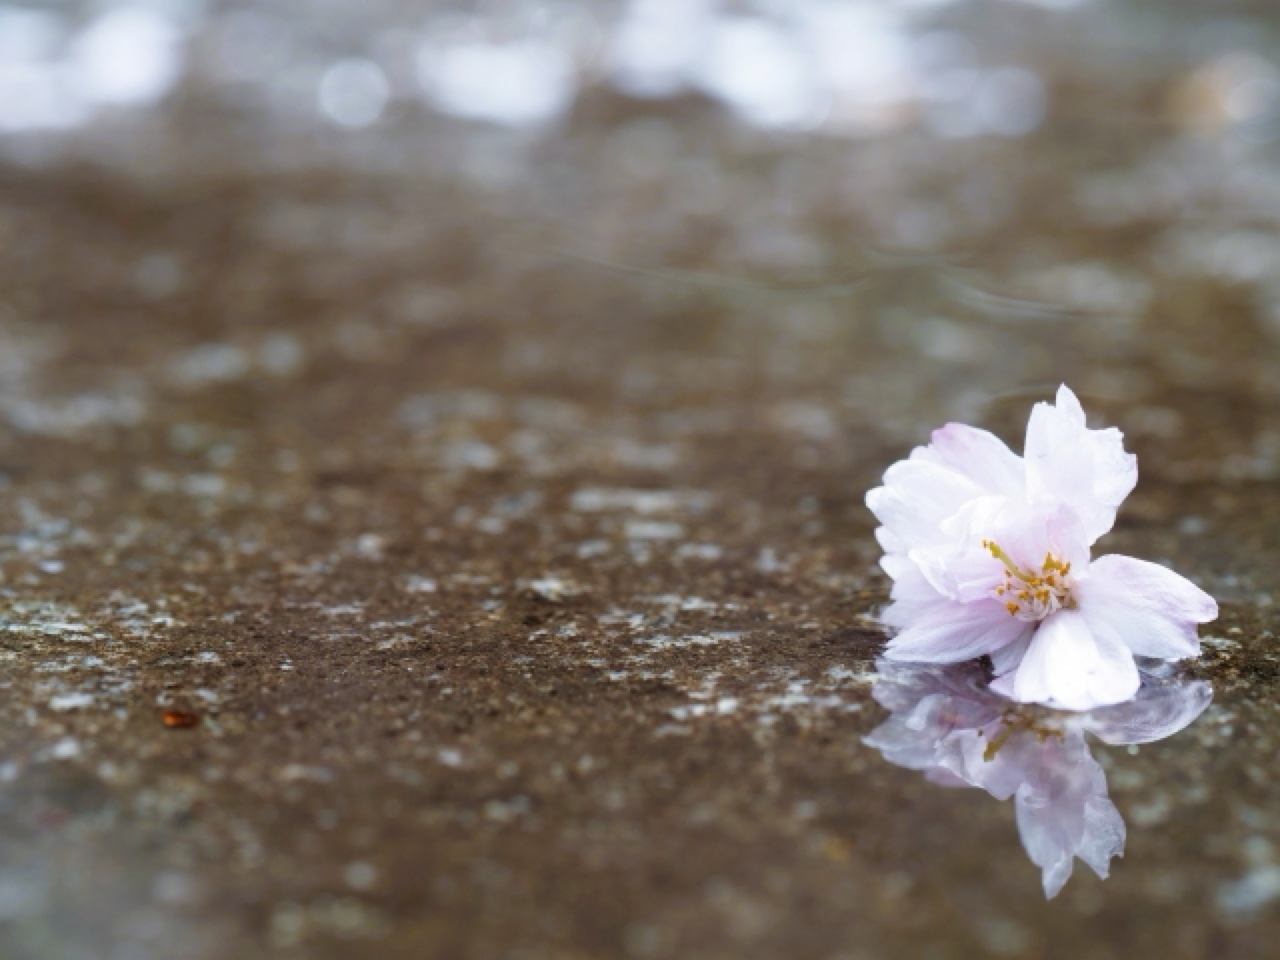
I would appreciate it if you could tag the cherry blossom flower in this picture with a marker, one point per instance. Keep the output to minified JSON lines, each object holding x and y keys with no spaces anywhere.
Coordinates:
{"x":949,"y":724}
{"x":990,"y":555}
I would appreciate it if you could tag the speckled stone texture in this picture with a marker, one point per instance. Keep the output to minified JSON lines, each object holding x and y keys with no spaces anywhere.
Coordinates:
{"x":404,"y":559}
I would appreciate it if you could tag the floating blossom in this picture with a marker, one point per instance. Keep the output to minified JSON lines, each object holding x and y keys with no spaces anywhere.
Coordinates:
{"x":947,"y":723}
{"x":990,"y":554}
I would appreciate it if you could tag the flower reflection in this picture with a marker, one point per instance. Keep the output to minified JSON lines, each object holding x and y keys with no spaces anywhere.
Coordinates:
{"x":948,"y":723}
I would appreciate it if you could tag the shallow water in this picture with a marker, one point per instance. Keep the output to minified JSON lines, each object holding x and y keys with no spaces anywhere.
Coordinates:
{"x":432,"y":519}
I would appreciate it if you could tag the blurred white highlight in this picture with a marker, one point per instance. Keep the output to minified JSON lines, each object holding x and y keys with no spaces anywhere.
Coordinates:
{"x":516,"y":84}
{"x":658,"y":45}
{"x":761,"y":73}
{"x":850,"y":67}
{"x":34,"y":92}
{"x":127,"y":56}
{"x":862,"y":56}
{"x":353,"y":93}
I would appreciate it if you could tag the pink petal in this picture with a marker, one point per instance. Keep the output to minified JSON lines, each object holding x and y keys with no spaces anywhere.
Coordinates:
{"x":916,"y":497}
{"x":1006,"y":660}
{"x":963,"y":568}
{"x":958,"y":573}
{"x":1086,"y":469}
{"x":1068,"y":667}
{"x":1028,"y":532}
{"x":913,"y":598}
{"x":979,"y":456}
{"x":1004,"y":685}
{"x":1144,"y":605}
{"x":889,"y":541}
{"x":897,"y":566}
{"x":952,"y":632}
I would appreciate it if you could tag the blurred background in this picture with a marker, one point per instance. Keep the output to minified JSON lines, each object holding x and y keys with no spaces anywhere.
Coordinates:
{"x":956,"y":186}
{"x":433,"y":439}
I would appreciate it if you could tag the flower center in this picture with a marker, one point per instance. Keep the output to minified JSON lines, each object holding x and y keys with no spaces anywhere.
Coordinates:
{"x":1029,"y":595}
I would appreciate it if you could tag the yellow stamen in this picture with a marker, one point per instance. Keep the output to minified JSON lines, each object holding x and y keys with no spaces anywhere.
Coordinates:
{"x":1032,"y":594}
{"x":1019,"y":720}
{"x":999,"y":554}
{"x":993,"y":747}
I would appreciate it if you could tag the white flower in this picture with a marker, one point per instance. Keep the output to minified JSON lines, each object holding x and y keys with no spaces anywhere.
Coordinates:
{"x":945,"y":722}
{"x":990,"y":554}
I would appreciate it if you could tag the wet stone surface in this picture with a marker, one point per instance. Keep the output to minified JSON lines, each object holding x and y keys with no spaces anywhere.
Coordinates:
{"x":446,"y":540}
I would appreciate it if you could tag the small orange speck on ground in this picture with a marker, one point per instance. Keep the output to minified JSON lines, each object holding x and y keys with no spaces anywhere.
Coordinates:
{"x":179,"y":719}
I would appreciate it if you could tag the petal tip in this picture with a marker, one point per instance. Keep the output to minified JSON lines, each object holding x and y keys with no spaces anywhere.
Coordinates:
{"x":1067,"y":402}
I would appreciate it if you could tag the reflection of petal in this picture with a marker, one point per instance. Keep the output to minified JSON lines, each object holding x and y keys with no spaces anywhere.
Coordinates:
{"x":900,"y":686}
{"x":1160,"y":710}
{"x":1063,"y":811}
{"x":949,"y":724}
